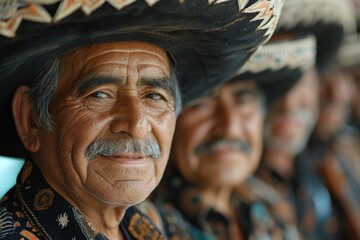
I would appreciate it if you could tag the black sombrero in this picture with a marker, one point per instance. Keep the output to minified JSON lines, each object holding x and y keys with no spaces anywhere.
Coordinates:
{"x":328,"y":20}
{"x":349,"y":53}
{"x":277,"y":65}
{"x":209,"y":39}
{"x":315,"y":30}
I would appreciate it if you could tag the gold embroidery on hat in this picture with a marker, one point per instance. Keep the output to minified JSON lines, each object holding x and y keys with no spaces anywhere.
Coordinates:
{"x":43,"y":199}
{"x":67,"y":7}
{"x":30,"y":12}
{"x":299,"y":53}
{"x":242,"y":4}
{"x":141,"y":228}
{"x":268,"y":13}
{"x":151,"y":2}
{"x":217,"y":1}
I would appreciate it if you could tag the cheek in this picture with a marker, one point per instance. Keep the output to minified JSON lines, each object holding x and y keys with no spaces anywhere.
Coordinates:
{"x":254,"y":128}
{"x":77,"y":130}
{"x":190,"y":134}
{"x":81,"y":125}
{"x":163,"y":127}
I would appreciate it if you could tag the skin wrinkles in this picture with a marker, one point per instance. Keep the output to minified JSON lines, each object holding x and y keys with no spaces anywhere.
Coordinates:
{"x":94,"y":81}
{"x":134,"y":51}
{"x":122,"y":61}
{"x":102,"y":189}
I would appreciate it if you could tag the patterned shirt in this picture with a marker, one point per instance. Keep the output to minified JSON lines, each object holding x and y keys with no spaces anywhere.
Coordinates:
{"x":315,"y":212}
{"x":33,"y":210}
{"x":185,"y":217}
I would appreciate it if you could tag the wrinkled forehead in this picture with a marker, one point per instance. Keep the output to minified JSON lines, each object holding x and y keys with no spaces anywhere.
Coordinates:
{"x":116,"y":50}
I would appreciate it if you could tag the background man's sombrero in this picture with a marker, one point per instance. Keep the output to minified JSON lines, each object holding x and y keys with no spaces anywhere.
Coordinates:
{"x":328,"y":20}
{"x":349,"y":53}
{"x":208,"y":39}
{"x":312,"y":32}
{"x":279,"y":64}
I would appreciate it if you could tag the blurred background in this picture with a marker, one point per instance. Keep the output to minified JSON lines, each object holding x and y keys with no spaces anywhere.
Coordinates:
{"x":9,"y":169}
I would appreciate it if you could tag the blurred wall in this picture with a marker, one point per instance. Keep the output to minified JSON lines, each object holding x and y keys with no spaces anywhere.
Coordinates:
{"x":9,"y":169}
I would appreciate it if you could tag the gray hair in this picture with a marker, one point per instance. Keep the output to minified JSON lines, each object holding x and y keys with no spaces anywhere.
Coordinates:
{"x":43,"y":87}
{"x":177,"y":93}
{"x":42,"y":91}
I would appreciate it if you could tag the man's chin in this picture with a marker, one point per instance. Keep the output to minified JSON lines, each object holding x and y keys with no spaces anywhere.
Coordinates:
{"x":120,"y":201}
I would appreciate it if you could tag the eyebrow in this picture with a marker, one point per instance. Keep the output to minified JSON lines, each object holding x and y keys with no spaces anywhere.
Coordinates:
{"x":245,"y":91}
{"x":94,"y":81}
{"x":162,"y":82}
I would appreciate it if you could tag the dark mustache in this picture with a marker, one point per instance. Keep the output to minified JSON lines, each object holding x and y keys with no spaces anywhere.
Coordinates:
{"x":239,"y":144}
{"x":107,"y":147}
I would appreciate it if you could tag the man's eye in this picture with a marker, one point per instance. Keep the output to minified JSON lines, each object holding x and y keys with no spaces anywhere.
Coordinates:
{"x":245,"y":99}
{"x":155,"y":96}
{"x":100,"y":95}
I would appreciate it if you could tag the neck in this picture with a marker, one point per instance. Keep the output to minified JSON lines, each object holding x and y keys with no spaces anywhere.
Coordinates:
{"x":101,"y":217}
{"x":219,"y":199}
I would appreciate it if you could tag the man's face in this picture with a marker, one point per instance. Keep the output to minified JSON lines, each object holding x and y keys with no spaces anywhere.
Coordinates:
{"x":291,"y":120}
{"x":336,"y":93}
{"x":114,"y":121}
{"x":218,"y":141}
{"x":355,"y":104}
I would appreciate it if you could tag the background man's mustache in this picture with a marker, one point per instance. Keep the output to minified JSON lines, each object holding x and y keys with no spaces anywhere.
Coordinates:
{"x":107,"y":147}
{"x":303,"y":115}
{"x":239,"y":144}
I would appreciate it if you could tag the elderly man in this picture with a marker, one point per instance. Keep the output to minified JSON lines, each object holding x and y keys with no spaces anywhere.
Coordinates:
{"x":218,"y":145}
{"x":291,"y":121}
{"x":341,"y":162}
{"x":94,"y":101}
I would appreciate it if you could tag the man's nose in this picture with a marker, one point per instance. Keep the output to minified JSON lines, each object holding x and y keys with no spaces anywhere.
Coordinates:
{"x":228,"y":121}
{"x":130,"y":118}
{"x":291,"y":100}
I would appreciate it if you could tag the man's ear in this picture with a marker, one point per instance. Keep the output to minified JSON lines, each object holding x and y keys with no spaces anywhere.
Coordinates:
{"x":25,"y":123}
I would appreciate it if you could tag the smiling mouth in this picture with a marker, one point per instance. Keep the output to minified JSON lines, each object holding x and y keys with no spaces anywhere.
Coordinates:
{"x":126,"y":158}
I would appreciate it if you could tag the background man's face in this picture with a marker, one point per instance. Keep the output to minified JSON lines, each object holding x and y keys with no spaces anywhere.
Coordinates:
{"x":110,"y":95}
{"x":218,"y":141}
{"x":355,"y":104}
{"x":336,"y":92}
{"x":291,"y":120}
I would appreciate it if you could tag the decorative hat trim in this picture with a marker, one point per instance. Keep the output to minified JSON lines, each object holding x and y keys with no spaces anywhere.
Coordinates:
{"x":339,"y":12}
{"x":292,"y":54}
{"x":269,"y":13}
{"x":349,"y":53}
{"x":12,"y":12}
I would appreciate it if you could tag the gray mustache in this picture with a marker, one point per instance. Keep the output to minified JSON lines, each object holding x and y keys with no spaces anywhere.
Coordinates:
{"x":108,"y":147}
{"x":239,"y":144}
